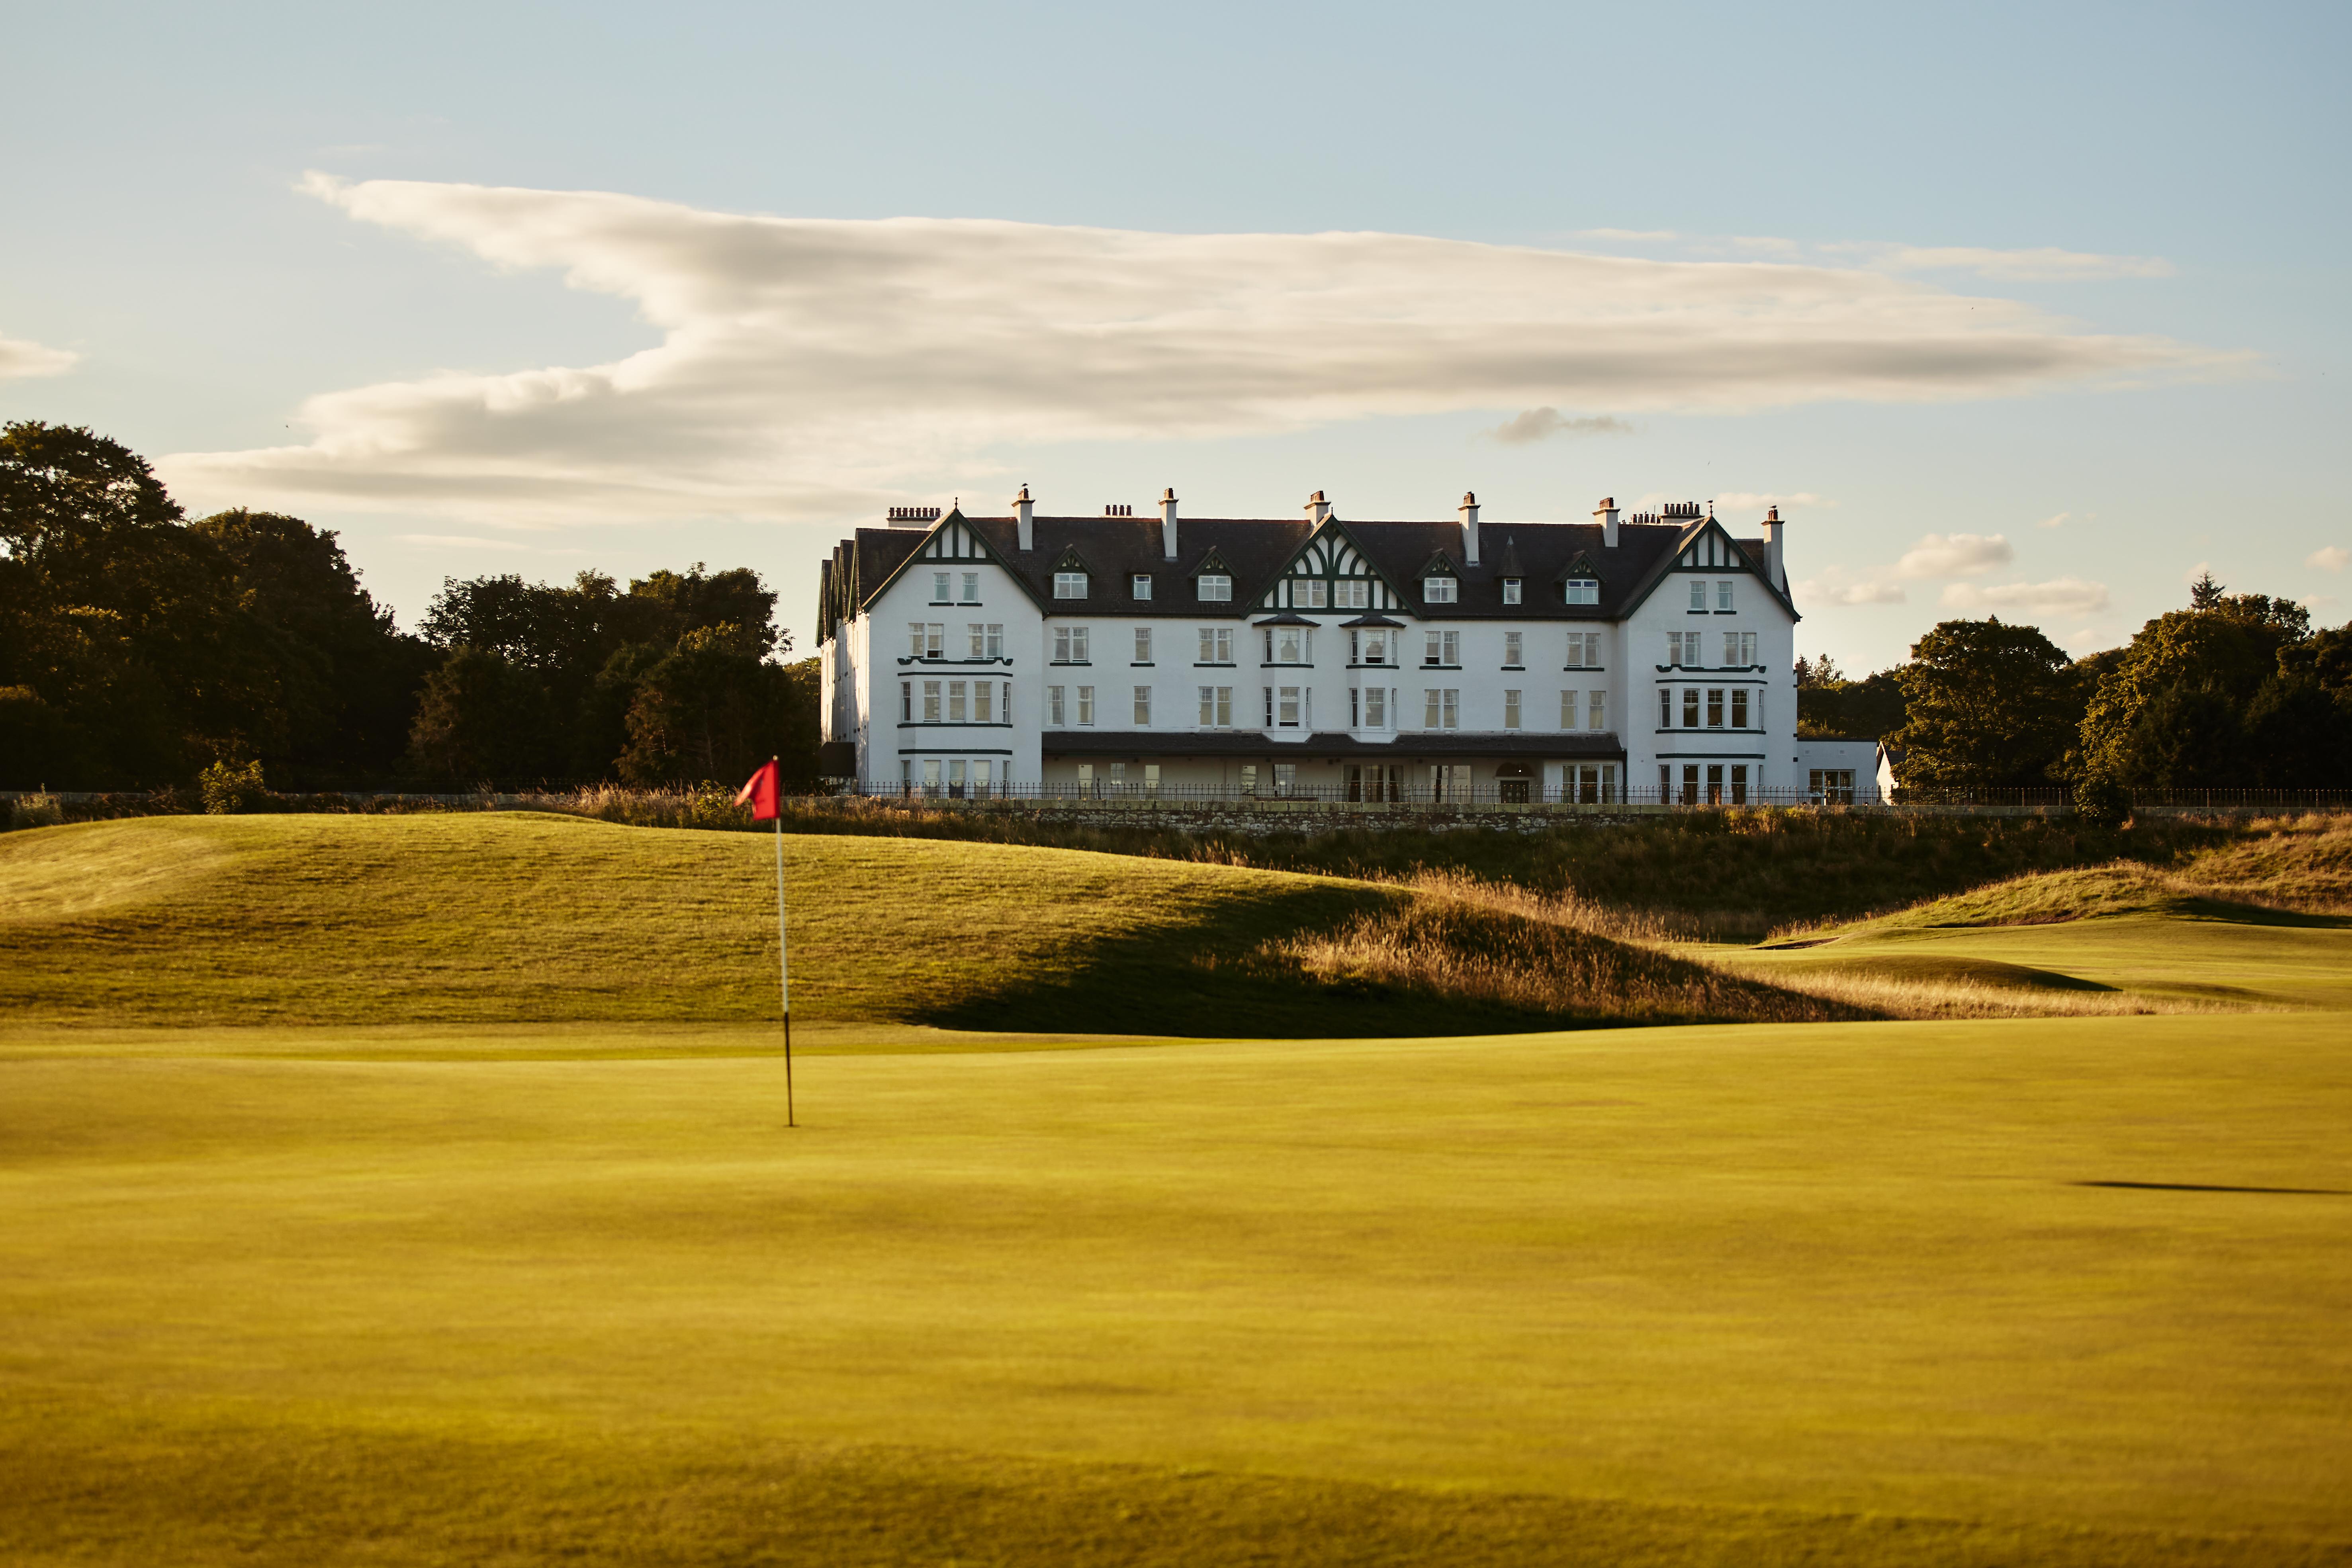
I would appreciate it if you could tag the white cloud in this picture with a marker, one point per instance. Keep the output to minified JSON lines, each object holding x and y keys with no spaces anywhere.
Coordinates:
{"x":809,"y":367}
{"x":2059,"y":597}
{"x":2041,"y":265}
{"x":2329,"y":558}
{"x":1540,"y":423}
{"x":1833,"y":588}
{"x":20,"y":357}
{"x":2057,"y":522}
{"x":1955,"y":555}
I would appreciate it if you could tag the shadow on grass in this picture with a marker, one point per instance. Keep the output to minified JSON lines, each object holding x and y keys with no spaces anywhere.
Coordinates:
{"x":1324,"y":962}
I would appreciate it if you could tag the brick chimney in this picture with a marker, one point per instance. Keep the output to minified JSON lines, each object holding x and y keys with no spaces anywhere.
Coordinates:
{"x":1168,"y":522}
{"x":1317,"y":509}
{"x":1469,"y":510}
{"x":1772,"y":565}
{"x":1024,"y":519}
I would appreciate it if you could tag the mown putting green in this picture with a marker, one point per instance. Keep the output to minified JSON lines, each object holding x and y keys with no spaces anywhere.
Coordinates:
{"x":1661,"y":1294}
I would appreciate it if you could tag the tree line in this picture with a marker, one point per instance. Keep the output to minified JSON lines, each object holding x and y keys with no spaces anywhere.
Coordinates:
{"x":2233,"y":690}
{"x":139,"y":648}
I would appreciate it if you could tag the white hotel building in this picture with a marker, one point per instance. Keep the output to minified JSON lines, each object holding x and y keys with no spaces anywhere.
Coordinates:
{"x":1639,"y":658}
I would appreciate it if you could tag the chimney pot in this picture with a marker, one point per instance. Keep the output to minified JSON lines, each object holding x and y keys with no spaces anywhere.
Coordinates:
{"x":1317,"y":509}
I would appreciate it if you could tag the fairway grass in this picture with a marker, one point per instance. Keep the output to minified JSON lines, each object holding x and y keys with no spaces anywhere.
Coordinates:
{"x":523,"y":918}
{"x":1757,"y":1294}
{"x":2107,"y":938}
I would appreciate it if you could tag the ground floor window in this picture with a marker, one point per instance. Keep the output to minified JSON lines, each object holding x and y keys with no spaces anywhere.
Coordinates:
{"x":1449,"y":781}
{"x":1285,"y":778}
{"x":1375,"y":781}
{"x":1831,"y":787}
{"x":1590,"y":783}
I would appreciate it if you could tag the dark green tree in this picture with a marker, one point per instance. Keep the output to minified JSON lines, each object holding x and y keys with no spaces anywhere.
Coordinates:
{"x":2191,"y":667}
{"x":713,"y":710}
{"x":1987,"y":703}
{"x":483,"y":718}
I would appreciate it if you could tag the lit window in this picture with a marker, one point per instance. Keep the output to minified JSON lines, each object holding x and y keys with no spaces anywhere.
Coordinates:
{"x":1140,"y":584}
{"x":1511,"y":709}
{"x":1437,"y":590}
{"x":1511,"y":650}
{"x":1510,"y":590}
{"x":1583,"y":591}
{"x":1069,"y":585}
{"x":1213,"y":587}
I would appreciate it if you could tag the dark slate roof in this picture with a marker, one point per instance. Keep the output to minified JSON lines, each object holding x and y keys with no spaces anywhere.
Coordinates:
{"x":1256,"y":550}
{"x":1322,"y":747}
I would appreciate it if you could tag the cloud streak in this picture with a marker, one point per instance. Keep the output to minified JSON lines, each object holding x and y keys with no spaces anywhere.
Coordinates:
{"x":20,"y":357}
{"x":807,"y":367}
{"x":1543,"y":424}
{"x":2059,"y":597}
{"x":1955,"y":555}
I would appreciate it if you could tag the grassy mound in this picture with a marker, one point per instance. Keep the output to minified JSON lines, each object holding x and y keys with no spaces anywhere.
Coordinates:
{"x":1718,"y":875}
{"x":518,"y":918}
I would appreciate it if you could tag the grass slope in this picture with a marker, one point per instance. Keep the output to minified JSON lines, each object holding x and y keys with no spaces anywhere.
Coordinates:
{"x":511,"y":918}
{"x":2141,"y":936}
{"x":1771,"y":1294}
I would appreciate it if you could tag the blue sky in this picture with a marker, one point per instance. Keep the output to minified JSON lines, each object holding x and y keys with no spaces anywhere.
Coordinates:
{"x":2026,"y":310}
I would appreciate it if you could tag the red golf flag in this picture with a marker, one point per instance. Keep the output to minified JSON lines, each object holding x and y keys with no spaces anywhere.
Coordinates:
{"x":765,"y":793}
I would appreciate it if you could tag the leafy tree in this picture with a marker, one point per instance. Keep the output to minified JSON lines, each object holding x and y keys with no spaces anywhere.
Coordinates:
{"x":1829,"y":704}
{"x":482,"y":717}
{"x":1987,"y":703}
{"x":2203,"y":667}
{"x":712,"y":710}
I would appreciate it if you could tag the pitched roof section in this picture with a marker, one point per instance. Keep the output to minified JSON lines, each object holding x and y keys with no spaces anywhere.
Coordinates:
{"x":1257,"y":550}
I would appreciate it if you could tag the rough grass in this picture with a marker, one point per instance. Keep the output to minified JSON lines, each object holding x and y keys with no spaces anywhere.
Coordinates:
{"x":1771,"y":1294}
{"x":1732,"y":875}
{"x":506,"y":917}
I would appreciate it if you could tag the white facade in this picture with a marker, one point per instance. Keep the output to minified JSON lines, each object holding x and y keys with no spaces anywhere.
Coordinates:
{"x":1645,"y":660}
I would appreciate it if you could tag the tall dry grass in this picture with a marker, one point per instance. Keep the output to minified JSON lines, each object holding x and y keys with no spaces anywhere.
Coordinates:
{"x":1558,"y":955}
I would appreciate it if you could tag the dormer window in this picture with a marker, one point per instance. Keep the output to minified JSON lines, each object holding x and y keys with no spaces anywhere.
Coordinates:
{"x":1069,"y":585}
{"x":1437,"y":590}
{"x":1215,"y":587}
{"x":1140,"y":584}
{"x":1511,"y":590}
{"x":1583,"y":590}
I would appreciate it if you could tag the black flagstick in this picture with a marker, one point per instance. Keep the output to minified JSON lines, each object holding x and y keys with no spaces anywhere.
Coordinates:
{"x":784,"y":970}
